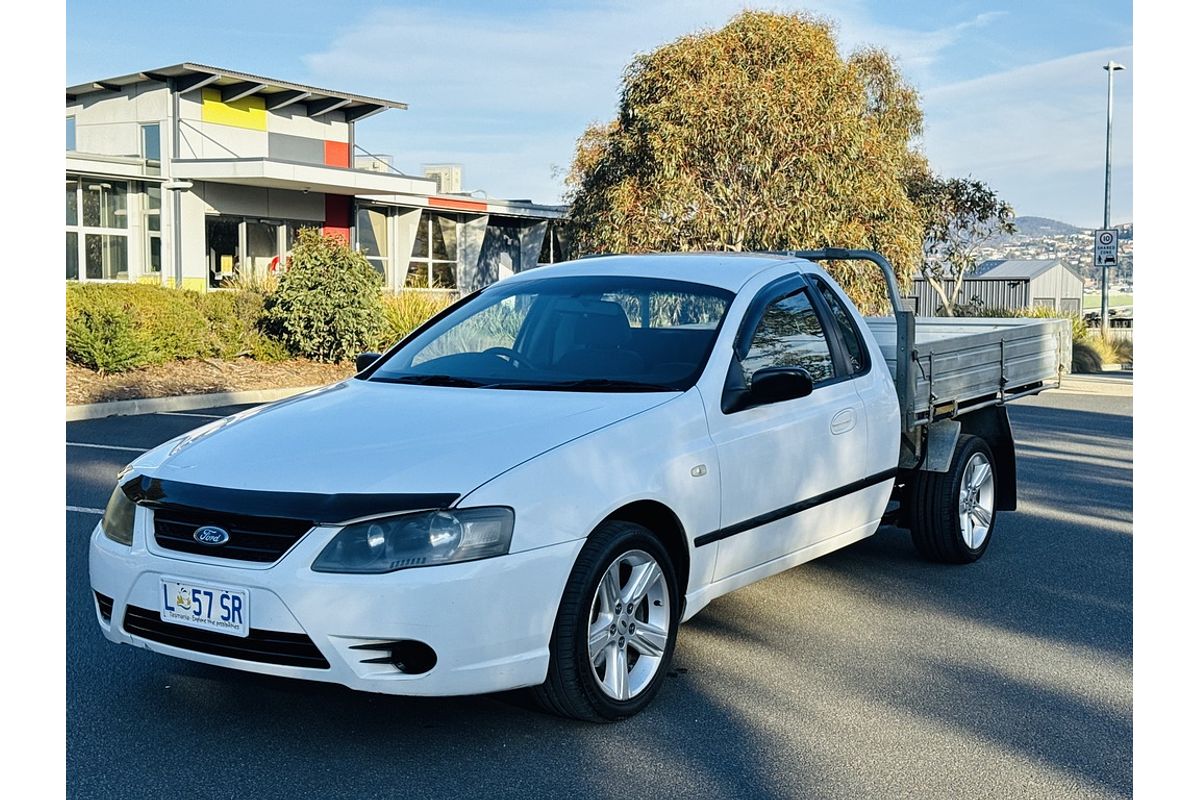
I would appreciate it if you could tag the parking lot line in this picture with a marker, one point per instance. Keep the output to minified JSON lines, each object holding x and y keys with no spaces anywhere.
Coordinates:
{"x":189,"y":414}
{"x":107,"y":447}
{"x":86,"y":510}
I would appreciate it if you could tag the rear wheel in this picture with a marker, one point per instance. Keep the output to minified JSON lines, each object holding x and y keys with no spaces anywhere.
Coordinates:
{"x":954,"y":513}
{"x":615,"y":631}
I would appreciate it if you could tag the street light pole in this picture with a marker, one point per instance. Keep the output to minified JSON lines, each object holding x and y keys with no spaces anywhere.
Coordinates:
{"x":1111,"y":67}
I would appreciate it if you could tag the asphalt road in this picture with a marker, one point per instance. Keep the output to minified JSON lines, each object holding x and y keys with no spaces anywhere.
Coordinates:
{"x":867,"y":673}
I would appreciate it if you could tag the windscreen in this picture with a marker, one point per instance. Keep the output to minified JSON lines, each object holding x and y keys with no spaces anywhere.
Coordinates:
{"x":593,"y":333}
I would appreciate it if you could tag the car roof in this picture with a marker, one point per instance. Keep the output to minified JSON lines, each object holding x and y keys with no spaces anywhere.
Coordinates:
{"x":725,"y":270}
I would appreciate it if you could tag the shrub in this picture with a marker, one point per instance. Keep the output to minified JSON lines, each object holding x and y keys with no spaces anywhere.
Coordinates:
{"x":1093,"y":351}
{"x":405,"y":312}
{"x":103,"y":337}
{"x":235,"y":326}
{"x":328,"y":306}
{"x":126,"y":325}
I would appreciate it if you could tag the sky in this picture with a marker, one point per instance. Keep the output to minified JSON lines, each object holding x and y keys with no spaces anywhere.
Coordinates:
{"x":1013,"y":92}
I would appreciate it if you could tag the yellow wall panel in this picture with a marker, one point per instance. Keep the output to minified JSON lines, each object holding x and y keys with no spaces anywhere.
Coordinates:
{"x":248,"y":112}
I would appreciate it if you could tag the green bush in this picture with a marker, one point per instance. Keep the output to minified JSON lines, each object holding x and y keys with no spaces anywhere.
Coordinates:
{"x":328,"y":305}
{"x":103,"y":337}
{"x":112,"y":327}
{"x":235,"y":326}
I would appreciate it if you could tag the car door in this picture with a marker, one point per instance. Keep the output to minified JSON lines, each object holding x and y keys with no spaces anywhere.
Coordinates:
{"x":783,"y":464}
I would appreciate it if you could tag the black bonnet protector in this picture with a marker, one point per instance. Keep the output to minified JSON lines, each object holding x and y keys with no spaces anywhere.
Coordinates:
{"x":310,"y":507}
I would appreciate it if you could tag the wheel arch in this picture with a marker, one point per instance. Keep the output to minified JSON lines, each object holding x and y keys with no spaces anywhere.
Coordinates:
{"x":664,"y":523}
{"x":992,"y":425}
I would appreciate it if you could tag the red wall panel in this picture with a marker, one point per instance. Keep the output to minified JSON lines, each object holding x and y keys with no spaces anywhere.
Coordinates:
{"x":337,"y":154}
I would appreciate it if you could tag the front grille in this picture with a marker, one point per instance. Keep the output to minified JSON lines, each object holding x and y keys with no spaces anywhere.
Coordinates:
{"x":105,"y":604}
{"x":259,"y":539}
{"x":267,"y":647}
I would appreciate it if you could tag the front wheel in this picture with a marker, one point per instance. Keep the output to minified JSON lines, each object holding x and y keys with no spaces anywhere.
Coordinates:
{"x":954,"y":513}
{"x":615,"y":631}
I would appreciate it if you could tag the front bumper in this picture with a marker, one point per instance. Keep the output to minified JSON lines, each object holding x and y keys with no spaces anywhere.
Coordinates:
{"x":488,"y":621}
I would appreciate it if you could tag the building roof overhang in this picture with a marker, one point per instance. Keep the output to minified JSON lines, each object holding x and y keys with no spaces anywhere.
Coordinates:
{"x":277,"y":174}
{"x":234,"y":85}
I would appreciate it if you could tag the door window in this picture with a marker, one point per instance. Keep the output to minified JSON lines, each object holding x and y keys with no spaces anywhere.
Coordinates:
{"x":790,"y":335}
{"x":847,"y":331}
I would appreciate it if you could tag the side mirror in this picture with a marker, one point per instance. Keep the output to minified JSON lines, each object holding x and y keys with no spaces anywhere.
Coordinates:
{"x":774,"y":384}
{"x":364,"y":360}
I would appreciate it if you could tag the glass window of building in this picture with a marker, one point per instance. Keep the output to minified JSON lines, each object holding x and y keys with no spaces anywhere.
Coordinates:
{"x":107,"y":256}
{"x":434,"y":263}
{"x":72,"y":201}
{"x":70,"y":133}
{"x":262,"y":246}
{"x":554,"y":245}
{"x":153,"y":228}
{"x":72,"y":255}
{"x":104,"y":203}
{"x":97,"y":223}
{"x":151,"y":142}
{"x":372,"y":231}
{"x":222,"y":236}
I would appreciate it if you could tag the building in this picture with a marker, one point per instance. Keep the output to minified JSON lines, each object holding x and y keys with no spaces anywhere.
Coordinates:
{"x":196,"y":176}
{"x":1010,"y":284}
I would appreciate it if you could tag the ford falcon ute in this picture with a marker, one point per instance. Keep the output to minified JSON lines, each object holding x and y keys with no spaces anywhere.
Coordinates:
{"x":540,"y":484}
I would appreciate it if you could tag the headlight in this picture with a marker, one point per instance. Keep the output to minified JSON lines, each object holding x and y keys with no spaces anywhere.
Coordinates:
{"x":118,"y":517}
{"x":418,"y":540}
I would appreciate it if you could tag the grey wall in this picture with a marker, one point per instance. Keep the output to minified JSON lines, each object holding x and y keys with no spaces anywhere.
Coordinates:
{"x":992,"y":293}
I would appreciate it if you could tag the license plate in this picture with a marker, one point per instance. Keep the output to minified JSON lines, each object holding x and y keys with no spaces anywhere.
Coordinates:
{"x":208,"y":607}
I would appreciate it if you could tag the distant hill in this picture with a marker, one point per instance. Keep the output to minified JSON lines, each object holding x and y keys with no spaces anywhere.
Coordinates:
{"x":1041,"y":226}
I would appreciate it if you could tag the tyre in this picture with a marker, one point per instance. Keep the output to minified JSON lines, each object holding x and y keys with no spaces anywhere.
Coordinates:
{"x":953,"y":513}
{"x":615,"y":631}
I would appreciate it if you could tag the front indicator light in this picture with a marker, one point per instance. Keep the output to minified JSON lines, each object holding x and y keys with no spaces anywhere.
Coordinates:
{"x":117,"y":523}
{"x":424,"y":539}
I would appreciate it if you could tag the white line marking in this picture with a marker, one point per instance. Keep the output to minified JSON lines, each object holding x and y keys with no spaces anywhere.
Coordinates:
{"x":187,"y":414}
{"x":107,"y":447}
{"x":85,"y":510}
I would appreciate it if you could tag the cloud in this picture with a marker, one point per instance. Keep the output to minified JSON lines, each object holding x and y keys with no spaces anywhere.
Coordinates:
{"x":1037,"y":132}
{"x":506,"y":90}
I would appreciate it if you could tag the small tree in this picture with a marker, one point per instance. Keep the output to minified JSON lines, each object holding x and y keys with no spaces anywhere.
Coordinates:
{"x":328,"y":304}
{"x":959,"y":215}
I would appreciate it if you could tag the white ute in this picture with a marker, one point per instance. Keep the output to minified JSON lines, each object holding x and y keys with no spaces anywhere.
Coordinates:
{"x":536,"y":487}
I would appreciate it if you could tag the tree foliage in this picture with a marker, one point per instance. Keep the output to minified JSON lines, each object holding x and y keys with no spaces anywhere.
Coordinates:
{"x":757,"y":136}
{"x":958,"y":216}
{"x":328,"y":305}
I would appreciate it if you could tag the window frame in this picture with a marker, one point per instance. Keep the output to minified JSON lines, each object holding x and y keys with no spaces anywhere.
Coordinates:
{"x":82,"y":231}
{"x":826,"y":313}
{"x":427,"y":260}
{"x":382,"y":262}
{"x":149,"y":213}
{"x":735,"y":388}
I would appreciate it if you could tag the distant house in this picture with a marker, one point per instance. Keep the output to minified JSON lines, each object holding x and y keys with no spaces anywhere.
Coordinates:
{"x":1008,"y":284}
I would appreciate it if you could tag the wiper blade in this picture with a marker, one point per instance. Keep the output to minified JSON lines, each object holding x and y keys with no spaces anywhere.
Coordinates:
{"x":431,"y":380}
{"x":589,"y":384}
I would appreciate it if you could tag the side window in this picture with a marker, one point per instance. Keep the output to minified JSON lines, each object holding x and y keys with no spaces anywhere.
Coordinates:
{"x":790,"y":335}
{"x":846,"y":329}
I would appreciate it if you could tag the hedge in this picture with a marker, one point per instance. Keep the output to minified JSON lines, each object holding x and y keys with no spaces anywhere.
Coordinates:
{"x":115,"y":327}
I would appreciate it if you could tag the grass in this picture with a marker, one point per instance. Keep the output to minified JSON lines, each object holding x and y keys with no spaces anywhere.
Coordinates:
{"x":1115,"y":300}
{"x":1091,"y":353}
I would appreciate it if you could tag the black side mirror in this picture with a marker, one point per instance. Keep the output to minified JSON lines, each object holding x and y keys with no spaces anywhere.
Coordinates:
{"x":364,"y":360}
{"x":773,"y":384}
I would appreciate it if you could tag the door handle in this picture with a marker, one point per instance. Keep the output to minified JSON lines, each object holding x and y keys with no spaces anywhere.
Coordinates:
{"x":843,"y":421}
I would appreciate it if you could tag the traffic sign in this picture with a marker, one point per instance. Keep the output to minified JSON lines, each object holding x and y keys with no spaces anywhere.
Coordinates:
{"x":1106,"y":248}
